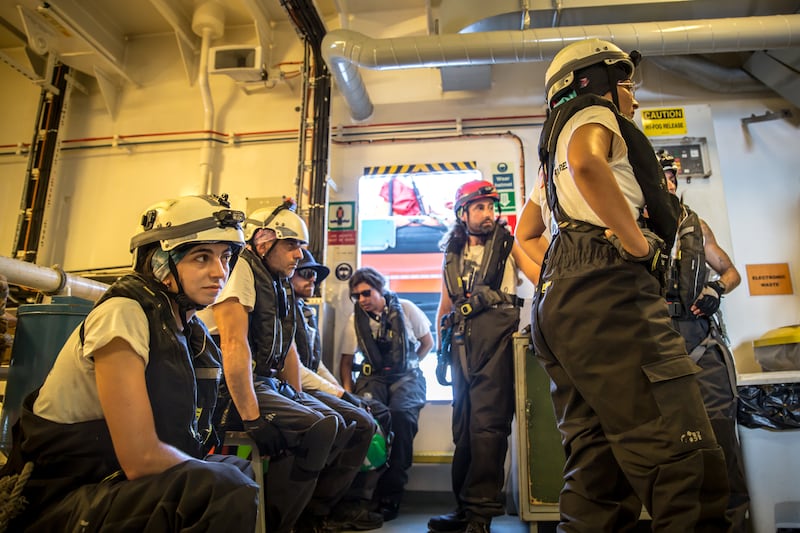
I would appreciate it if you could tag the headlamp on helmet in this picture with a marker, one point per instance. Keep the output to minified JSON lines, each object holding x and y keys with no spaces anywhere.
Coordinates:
{"x":474,"y":190}
{"x":188,"y":220}
{"x":282,"y":220}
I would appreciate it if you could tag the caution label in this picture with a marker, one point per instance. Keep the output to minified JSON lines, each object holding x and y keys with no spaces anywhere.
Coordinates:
{"x":664,"y":121}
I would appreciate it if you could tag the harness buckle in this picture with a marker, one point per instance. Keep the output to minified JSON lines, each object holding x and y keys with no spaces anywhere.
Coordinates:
{"x":366,"y":369}
{"x":465,"y":309}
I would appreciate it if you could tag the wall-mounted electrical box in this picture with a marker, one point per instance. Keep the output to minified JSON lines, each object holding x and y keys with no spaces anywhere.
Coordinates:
{"x":242,"y":63}
{"x":690,"y":153}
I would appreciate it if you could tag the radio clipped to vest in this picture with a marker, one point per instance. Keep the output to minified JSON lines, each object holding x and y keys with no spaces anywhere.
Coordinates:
{"x":444,"y":357}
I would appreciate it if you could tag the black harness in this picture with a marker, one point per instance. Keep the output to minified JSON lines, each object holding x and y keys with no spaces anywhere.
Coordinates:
{"x":663,"y":208}
{"x":392,"y":351}
{"x":688,"y":271}
{"x":272,"y":321}
{"x":484,"y":292}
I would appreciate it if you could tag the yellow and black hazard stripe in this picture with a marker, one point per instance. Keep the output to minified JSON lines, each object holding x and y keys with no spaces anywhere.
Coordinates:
{"x":413,"y":168}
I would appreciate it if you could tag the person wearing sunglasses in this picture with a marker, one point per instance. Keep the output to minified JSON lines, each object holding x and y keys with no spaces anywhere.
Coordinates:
{"x":627,"y":403}
{"x":393,"y":335}
{"x":320,"y":383}
{"x":693,"y":300}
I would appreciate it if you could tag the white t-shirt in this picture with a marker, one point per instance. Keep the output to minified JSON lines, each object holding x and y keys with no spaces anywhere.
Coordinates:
{"x":569,"y":198}
{"x":69,"y":394}
{"x":417,"y":326}
{"x":472,"y":258}
{"x":538,"y":196}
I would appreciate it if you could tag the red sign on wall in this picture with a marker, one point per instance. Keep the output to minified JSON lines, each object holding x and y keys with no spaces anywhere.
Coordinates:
{"x":344,"y":237}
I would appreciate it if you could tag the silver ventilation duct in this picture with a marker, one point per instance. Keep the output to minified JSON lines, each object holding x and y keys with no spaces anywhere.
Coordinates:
{"x":345,"y":51}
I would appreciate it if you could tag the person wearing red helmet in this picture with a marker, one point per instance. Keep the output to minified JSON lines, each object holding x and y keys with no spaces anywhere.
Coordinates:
{"x":477,"y":316}
{"x":628,"y":407}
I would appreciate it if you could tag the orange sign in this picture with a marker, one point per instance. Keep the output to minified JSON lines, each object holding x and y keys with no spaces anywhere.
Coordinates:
{"x":769,"y":279}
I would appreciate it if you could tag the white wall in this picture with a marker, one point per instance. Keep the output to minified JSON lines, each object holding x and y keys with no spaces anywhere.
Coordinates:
{"x":103,"y":191}
{"x":98,"y":194}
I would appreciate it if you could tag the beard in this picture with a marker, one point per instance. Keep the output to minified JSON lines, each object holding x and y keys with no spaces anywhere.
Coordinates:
{"x":482,"y":228}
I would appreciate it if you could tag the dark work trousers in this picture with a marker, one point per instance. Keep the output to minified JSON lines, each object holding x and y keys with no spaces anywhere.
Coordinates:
{"x":363,"y":486}
{"x":483,"y":407}
{"x":404,"y":395}
{"x":625,"y":396}
{"x":717,"y":381}
{"x":289,"y":487}
{"x":338,"y":477}
{"x":213,"y":495}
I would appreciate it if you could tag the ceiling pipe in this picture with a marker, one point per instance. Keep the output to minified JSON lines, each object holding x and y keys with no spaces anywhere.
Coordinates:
{"x":709,"y":75}
{"x":50,"y":281}
{"x":346,"y":50}
{"x":209,"y":23}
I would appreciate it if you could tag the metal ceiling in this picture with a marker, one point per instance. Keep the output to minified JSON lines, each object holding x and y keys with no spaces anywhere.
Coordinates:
{"x":91,"y":35}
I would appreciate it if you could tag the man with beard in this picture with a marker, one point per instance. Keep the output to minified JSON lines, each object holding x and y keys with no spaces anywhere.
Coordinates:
{"x":320,"y":383}
{"x":478,"y":314}
{"x":255,"y":319}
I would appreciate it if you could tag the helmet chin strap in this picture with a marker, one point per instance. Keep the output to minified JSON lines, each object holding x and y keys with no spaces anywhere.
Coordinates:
{"x":185,"y":304}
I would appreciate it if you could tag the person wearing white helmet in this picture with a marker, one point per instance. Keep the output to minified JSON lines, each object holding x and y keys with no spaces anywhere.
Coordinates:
{"x":628,"y":406}
{"x":117,"y":434}
{"x":693,"y":299}
{"x":262,"y":392}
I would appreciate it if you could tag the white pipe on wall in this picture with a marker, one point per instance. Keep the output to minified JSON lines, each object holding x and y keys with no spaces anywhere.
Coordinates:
{"x":50,"y":280}
{"x":344,"y":50}
{"x":207,"y":150}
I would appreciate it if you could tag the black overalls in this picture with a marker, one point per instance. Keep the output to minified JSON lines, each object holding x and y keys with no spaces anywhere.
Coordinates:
{"x":626,"y":400}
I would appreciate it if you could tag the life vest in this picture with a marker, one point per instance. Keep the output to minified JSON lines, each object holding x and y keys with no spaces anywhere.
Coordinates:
{"x":272,"y":320}
{"x":181,"y":382}
{"x":485,"y":290}
{"x":182,"y":379}
{"x":307,"y":337}
{"x":392,"y":351}
{"x":688,"y":271}
{"x":663,"y":208}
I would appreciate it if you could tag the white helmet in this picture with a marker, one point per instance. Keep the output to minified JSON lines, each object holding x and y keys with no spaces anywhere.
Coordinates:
{"x":282,"y":220}
{"x":188,"y":219}
{"x":561,"y":72}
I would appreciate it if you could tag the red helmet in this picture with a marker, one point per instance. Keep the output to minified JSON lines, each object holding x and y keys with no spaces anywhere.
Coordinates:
{"x":474,"y":190}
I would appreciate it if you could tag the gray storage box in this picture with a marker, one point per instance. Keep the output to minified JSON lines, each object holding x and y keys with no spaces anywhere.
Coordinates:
{"x":778,"y":349}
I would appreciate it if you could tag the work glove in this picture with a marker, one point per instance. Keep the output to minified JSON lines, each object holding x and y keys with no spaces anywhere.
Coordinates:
{"x":654,"y":257}
{"x":351,"y":398}
{"x":267,"y":436}
{"x":707,"y":301}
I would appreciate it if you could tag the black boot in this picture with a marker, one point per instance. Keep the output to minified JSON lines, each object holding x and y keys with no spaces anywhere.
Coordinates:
{"x":454,"y":522}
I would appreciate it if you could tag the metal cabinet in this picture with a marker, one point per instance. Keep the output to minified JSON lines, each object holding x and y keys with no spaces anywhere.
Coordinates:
{"x":540,"y":456}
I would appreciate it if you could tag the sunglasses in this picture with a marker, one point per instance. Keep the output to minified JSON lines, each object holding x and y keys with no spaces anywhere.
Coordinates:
{"x":307,"y":273}
{"x":628,"y":84}
{"x":356,"y":296}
